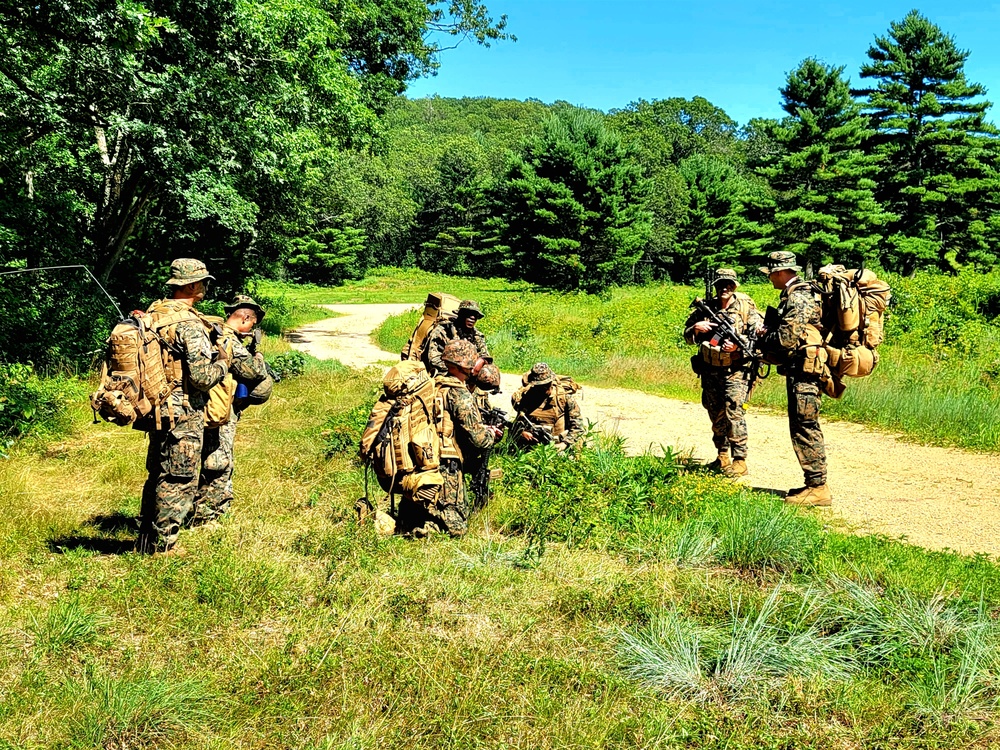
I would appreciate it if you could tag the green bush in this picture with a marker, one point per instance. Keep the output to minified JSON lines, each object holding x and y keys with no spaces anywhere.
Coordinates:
{"x":342,"y":431}
{"x":288,"y":365}
{"x":30,"y":404}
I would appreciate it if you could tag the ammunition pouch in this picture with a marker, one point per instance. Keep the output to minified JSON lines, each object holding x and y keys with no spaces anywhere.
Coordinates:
{"x":714,"y":356}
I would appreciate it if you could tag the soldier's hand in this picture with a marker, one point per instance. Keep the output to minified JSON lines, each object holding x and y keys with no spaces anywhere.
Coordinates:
{"x":729,"y":346}
{"x":497,"y":432}
{"x":704,"y":326}
{"x":528,"y":437}
{"x":223,"y":355}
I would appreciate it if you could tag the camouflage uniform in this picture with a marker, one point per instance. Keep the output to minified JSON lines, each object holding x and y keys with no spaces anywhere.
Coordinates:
{"x":801,"y":312}
{"x":450,"y":509}
{"x":549,"y":404}
{"x":174,"y":453}
{"x":450,"y":330}
{"x":724,"y":389}
{"x":215,"y":486}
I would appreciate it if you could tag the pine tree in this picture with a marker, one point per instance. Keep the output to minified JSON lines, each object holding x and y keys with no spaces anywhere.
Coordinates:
{"x":939,"y":174}
{"x":825,"y":207}
{"x":571,"y":210}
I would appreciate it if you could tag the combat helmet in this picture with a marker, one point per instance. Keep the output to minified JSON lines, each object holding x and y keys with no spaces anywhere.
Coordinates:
{"x":460,"y":352}
{"x":488,"y":377}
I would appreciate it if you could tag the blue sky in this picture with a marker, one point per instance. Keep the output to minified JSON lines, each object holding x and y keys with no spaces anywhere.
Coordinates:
{"x":606,"y":54}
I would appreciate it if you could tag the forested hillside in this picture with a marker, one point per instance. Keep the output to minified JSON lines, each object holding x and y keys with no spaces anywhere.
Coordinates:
{"x":274,"y":141}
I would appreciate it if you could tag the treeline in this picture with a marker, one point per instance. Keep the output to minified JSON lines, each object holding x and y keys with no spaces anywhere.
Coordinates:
{"x":271,"y":139}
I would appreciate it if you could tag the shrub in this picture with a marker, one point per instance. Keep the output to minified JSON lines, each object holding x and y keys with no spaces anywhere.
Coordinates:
{"x":30,"y":404}
{"x":289,"y":364}
{"x":342,"y":431}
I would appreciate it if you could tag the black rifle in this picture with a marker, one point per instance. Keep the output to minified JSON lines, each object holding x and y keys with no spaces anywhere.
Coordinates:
{"x":749,"y":344}
{"x":541,"y":434}
{"x":492,"y":417}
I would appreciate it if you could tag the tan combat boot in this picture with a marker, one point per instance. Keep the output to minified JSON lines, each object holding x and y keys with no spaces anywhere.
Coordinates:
{"x":721,"y":463}
{"x":814,"y":497}
{"x":738,"y":468}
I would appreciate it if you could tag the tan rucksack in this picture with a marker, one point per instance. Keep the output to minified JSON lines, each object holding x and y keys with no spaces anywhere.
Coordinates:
{"x":400,"y":442}
{"x":437,"y":308}
{"x":854,"y":304}
{"x":133,"y":381}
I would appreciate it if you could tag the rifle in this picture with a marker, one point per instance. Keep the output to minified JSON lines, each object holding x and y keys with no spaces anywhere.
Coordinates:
{"x":749,"y":344}
{"x":541,"y":434}
{"x":492,"y":417}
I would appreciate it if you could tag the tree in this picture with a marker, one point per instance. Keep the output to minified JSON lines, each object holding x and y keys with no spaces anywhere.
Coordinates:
{"x":823,"y":180}
{"x":939,"y":153}
{"x":570,"y":212}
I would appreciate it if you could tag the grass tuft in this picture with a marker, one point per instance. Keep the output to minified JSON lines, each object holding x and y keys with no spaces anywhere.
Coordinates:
{"x":65,"y":625}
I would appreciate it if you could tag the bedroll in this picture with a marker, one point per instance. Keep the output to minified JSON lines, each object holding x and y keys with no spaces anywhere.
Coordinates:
{"x":854,"y":304}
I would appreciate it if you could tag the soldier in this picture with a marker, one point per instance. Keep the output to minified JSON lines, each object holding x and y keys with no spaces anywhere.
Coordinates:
{"x":463,"y":327}
{"x":549,"y":402}
{"x":215,"y":486}
{"x":799,"y":343}
{"x":446,"y":508}
{"x":175,"y":442}
{"x":723,"y":369}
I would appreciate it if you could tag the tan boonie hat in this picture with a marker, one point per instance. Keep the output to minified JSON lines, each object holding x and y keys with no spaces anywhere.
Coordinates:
{"x":188,"y":271}
{"x":460,"y":352}
{"x":724,"y":275}
{"x":780,"y":260}
{"x":469,"y":307}
{"x":539,"y":374}
{"x":242,"y":300}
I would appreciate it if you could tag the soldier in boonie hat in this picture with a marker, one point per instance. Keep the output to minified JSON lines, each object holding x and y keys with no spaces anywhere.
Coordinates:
{"x":725,"y":276}
{"x":539,"y":374}
{"x":780,"y":260}
{"x":242,"y":300}
{"x":184,"y":271}
{"x":470,"y":308}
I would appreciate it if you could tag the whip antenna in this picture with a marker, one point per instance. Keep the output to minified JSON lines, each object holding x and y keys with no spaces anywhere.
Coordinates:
{"x":58,"y":268}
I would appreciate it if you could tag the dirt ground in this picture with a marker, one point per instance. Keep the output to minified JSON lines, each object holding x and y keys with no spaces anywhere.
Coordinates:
{"x":941,"y":498}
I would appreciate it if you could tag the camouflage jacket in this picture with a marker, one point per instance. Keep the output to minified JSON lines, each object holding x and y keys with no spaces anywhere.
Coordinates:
{"x":799,"y":310}
{"x":470,"y":432}
{"x":552,"y":407}
{"x":742,"y":314}
{"x":246,"y":367}
{"x":442,"y":334}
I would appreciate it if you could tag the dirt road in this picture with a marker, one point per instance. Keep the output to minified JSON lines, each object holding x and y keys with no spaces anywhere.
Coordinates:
{"x":935,"y":497}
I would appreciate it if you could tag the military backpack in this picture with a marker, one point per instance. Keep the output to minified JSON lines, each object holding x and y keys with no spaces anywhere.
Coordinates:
{"x":438,"y":307}
{"x":854,"y":303}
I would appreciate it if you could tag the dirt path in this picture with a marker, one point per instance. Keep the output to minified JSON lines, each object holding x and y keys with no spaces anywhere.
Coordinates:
{"x":935,"y":497}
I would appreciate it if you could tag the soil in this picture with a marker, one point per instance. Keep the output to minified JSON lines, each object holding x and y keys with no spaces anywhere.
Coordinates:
{"x":940,"y":498}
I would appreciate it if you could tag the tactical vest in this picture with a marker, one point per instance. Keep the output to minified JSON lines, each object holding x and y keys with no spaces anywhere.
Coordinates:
{"x":551,"y":412}
{"x":714,"y":355}
{"x":165,"y":315}
{"x":450,"y":448}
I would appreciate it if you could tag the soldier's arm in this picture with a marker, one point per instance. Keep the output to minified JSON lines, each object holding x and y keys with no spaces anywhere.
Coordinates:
{"x":691,"y":335}
{"x":575,"y":428}
{"x":202,"y":372}
{"x":481,"y":344}
{"x":246,"y":366}
{"x":435,"y":348}
{"x":755,"y":320}
{"x":792,"y":330}
{"x":465,"y":414}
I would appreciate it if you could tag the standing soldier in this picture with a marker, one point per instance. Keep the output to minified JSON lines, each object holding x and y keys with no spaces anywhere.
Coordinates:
{"x":175,"y":442}
{"x":462,"y":432}
{"x":464,"y":328}
{"x":215,"y":486}
{"x":723,"y":369}
{"x":798,"y":341}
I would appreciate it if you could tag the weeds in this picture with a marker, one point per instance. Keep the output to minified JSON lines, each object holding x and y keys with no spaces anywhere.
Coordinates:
{"x":65,"y":625}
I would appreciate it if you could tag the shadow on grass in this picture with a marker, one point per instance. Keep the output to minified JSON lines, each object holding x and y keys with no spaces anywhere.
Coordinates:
{"x":112,"y":523}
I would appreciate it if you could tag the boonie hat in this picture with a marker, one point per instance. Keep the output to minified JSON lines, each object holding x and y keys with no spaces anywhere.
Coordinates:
{"x":469,"y":307}
{"x":539,"y":374}
{"x":780,"y":260}
{"x":188,"y":271}
{"x":725,"y":275}
{"x":242,"y":300}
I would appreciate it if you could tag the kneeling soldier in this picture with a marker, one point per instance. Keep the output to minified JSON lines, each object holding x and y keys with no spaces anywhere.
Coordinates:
{"x":548,"y":402}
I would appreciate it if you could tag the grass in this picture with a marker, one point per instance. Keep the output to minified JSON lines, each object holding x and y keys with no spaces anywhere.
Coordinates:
{"x":606,"y":601}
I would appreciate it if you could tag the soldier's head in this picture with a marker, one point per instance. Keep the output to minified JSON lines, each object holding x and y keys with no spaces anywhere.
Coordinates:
{"x":460,"y":357}
{"x":189,"y":279}
{"x":725,"y":283}
{"x":486,"y":376}
{"x":468,"y":313}
{"x":540,"y":375}
{"x":244,"y":313}
{"x":781,"y":268}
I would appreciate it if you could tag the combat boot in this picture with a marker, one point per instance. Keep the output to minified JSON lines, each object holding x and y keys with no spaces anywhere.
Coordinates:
{"x":795,"y":491}
{"x":814,"y":497}
{"x":738,"y":468}
{"x":721,"y":463}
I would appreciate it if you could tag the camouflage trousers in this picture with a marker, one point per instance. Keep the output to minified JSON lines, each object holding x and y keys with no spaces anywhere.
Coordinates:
{"x":722,"y":394}
{"x":173,"y":461}
{"x":215,"y":485}
{"x":804,"y":399}
{"x":447,"y":511}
